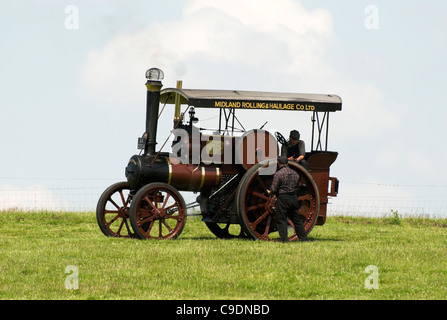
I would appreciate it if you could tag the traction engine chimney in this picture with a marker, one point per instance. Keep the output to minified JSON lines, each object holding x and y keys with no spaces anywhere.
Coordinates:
{"x":153,"y":85}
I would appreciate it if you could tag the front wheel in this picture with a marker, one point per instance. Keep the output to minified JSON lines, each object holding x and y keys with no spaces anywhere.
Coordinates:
{"x":112,"y":211}
{"x":158,"y":211}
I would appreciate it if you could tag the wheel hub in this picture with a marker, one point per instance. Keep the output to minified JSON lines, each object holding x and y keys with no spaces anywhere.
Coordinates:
{"x":123,"y":212}
{"x":159,"y":213}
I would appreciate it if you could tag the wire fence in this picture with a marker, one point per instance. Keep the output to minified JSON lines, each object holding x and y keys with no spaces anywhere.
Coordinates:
{"x":37,"y":198}
{"x":377,"y":199}
{"x":354,"y":198}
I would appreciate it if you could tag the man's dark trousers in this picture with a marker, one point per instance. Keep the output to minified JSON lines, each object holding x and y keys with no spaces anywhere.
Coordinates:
{"x":287,"y":206}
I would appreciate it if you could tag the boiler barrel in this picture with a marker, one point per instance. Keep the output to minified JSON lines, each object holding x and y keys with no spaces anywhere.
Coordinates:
{"x":185,"y":177}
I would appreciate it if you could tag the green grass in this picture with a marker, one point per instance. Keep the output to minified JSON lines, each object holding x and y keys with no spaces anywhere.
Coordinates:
{"x":35,"y":249}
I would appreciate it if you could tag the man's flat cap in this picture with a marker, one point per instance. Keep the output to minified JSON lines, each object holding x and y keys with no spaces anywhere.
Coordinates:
{"x":283,"y":160}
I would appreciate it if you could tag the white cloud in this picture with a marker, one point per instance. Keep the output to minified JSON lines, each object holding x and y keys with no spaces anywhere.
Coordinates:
{"x":280,"y":34}
{"x":270,"y":46}
{"x":270,"y":16}
{"x":279,"y":37}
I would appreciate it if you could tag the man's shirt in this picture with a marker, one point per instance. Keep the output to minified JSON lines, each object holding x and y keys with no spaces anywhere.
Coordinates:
{"x":285,"y":180}
{"x":293,"y":151}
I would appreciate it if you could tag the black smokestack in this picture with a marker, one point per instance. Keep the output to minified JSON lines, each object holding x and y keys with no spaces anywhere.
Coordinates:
{"x":153,"y":85}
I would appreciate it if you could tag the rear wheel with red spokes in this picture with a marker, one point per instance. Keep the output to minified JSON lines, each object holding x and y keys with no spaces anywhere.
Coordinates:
{"x":257,"y":210}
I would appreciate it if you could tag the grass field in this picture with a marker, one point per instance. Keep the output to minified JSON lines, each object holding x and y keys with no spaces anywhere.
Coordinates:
{"x":409,"y":258}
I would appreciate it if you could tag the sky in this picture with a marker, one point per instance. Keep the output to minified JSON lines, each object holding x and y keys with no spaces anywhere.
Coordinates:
{"x":73,"y":96}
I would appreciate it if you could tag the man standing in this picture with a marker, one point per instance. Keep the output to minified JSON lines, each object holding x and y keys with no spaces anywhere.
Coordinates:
{"x":295,"y":149}
{"x":285,"y":186}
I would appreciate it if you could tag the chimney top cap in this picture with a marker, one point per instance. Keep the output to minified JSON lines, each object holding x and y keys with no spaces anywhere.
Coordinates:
{"x":154,"y":74}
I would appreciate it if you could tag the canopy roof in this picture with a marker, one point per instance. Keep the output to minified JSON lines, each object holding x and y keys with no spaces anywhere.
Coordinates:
{"x":252,"y":100}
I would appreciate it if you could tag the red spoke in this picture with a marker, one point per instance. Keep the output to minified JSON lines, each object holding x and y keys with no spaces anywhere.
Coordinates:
{"x":260,"y":195}
{"x":166,"y":200}
{"x":267,"y":228}
{"x":159,"y":229}
{"x":113,"y":202}
{"x":111,"y":211}
{"x":144,"y":215}
{"x":256,"y":206}
{"x":112,"y":221}
{"x":122,"y":198}
{"x":148,"y":231}
{"x":167,"y":226}
{"x":150,"y":218}
{"x":262,"y":217}
{"x":151,"y":203}
{"x":120,"y":227}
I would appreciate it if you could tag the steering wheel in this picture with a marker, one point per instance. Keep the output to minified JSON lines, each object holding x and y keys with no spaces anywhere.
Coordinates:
{"x":280,"y":138}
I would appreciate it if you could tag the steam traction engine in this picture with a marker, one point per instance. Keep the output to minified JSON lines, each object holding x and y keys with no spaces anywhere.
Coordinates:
{"x":230,"y":173}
